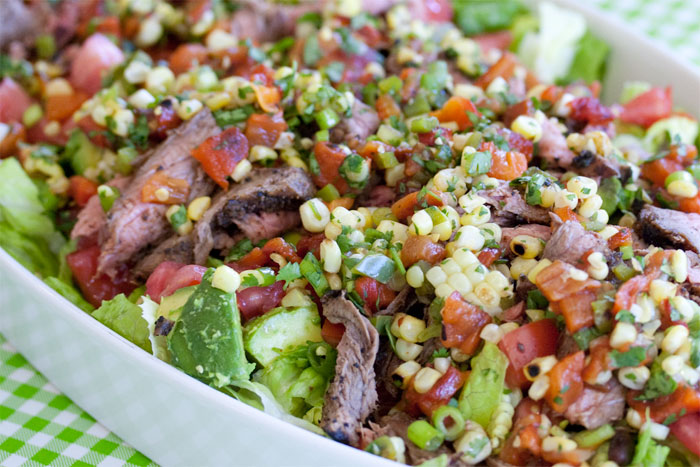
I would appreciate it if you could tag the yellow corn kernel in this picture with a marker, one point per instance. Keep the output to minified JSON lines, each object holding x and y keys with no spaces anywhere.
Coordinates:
{"x":459,"y":282}
{"x":415,"y":276}
{"x":558,"y":444}
{"x":162,"y":194}
{"x":679,"y":266}
{"x":410,"y":327}
{"x":623,"y":335}
{"x":583,"y":187}
{"x":674,"y":338}
{"x":487,"y":295}
{"x":330,"y":255}
{"x":226,"y":279}
{"x":425,"y":379}
{"x":660,"y":290}
{"x":528,"y":127}
{"x":296,"y":297}
{"x":218,"y":100}
{"x":407,"y":351}
{"x":421,"y":223}
{"x":198,"y":207}
{"x":399,"y":230}
{"x":683,"y":189}
{"x":590,"y":206}
{"x":491,"y":333}
{"x":526,"y":246}
{"x":243,"y":168}
{"x":444,"y":290}
{"x":633,"y":377}
{"x":314,"y":215}
{"x":469,"y":237}
{"x":598,"y":268}
{"x":532,"y":275}
{"x":465,"y":258}
{"x":58,"y":87}
{"x":539,"y":388}
{"x":259,"y":153}
{"x":406,"y":370}
{"x":521,"y":266}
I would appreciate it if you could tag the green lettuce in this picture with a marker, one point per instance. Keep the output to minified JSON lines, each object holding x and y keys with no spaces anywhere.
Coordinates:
{"x":149,"y":313}
{"x":69,"y":292}
{"x":648,"y":453}
{"x":124,"y":318}
{"x":482,"y":393}
{"x":589,"y":62}
{"x":479,"y":16}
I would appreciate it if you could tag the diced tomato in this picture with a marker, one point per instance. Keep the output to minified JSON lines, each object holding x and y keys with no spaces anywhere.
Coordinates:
{"x":255,"y":258}
{"x":345,"y":202}
{"x":436,"y":11}
{"x":262,"y":74}
{"x":281,"y":247}
{"x":265,"y":129}
{"x":687,"y":430}
{"x":81,"y":189}
{"x":177,"y":188}
{"x":627,"y":294}
{"x":621,"y":238}
{"x":556,"y":283}
{"x":505,"y":165}
{"x":13,"y":101}
{"x":310,"y":243}
{"x":518,"y":142}
{"x":648,"y":107}
{"x":590,"y":110}
{"x":386,"y":106}
{"x":599,"y":360}
{"x":685,"y":204}
{"x":657,"y":171}
{"x":256,"y":301}
{"x":529,"y":444}
{"x":440,"y":394}
{"x":375,"y":295}
{"x":493,"y":40}
{"x":577,"y":310}
{"x":407,"y":205}
{"x":61,"y":106}
{"x":332,"y":332}
{"x":574,"y":457}
{"x":8,"y":145}
{"x":566,"y":214}
{"x":159,"y":278}
{"x":166,"y":120}
{"x":524,"y":344}
{"x":108,"y":25}
{"x":504,"y":67}
{"x":430,"y":138}
{"x":683,"y":153}
{"x":421,"y":248}
{"x":565,"y":383}
{"x":268,"y":97}
{"x":173,"y":277}
{"x":457,"y":109}
{"x":462,"y":323}
{"x":524,"y":107}
{"x":552,"y":94}
{"x":329,"y":157}
{"x":96,"y":56}
{"x":96,"y":288}
{"x":187,"y":56}
{"x":684,"y":400}
{"x":221,"y":153}
{"x":488,"y":256}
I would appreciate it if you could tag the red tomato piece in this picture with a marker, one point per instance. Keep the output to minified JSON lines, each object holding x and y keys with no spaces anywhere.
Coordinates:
{"x":577,"y":310}
{"x":648,"y":107}
{"x":621,"y":238}
{"x":684,"y":398}
{"x":280,"y":246}
{"x":187,"y":56}
{"x":256,"y":301}
{"x":555,"y":281}
{"x":505,"y":165}
{"x":170,"y":276}
{"x":96,"y":288}
{"x":165,"y":121}
{"x":440,"y":394}
{"x":264,"y":129}
{"x":504,"y":67}
{"x":386,"y":106}
{"x":590,"y":110}
{"x":220,"y":154}
{"x":457,"y":109}
{"x":177,"y":188}
{"x":487,"y":256}
{"x":524,"y":344}
{"x":525,"y":107}
{"x":375,"y":295}
{"x":565,"y":382}
{"x":407,"y":205}
{"x":599,"y":359}
{"x":97,"y":55}
{"x":421,"y":248}
{"x":687,"y":430}
{"x":81,"y":189}
{"x":657,"y":171}
{"x":329,"y":157}
{"x":430,"y":138}
{"x":310,"y":243}
{"x":493,"y":40}
{"x":8,"y":145}
{"x":59,"y":107}
{"x":462,"y":323}
{"x":332,"y":332}
{"x":13,"y":101}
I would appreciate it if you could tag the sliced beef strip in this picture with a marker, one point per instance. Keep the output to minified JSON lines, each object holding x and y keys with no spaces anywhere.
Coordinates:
{"x":176,"y":248}
{"x":133,"y":225}
{"x":402,"y":303}
{"x":570,"y":241}
{"x":355,"y":129}
{"x":92,"y":219}
{"x":352,"y":395}
{"x":388,"y":394}
{"x":595,"y":408}
{"x":509,"y":208}
{"x":669,"y":229}
{"x":552,"y":146}
{"x":534,"y":230}
{"x":19,"y":23}
{"x":267,"y":21}
{"x":263,"y":205}
{"x":596,"y":166}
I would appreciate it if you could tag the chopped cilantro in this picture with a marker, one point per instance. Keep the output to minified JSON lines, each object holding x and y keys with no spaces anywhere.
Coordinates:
{"x":633,"y":357}
{"x":288,"y":273}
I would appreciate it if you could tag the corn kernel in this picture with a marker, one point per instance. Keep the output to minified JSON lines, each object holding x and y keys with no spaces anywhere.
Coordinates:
{"x":660,"y":290}
{"x":421,"y":223}
{"x":159,"y":80}
{"x":415,"y":276}
{"x":527,"y":127}
{"x":679,"y":266}
{"x":198,"y":207}
{"x":683,"y":189}
{"x":526,"y":246}
{"x":243,"y":168}
{"x":141,"y":99}
{"x":259,"y":153}
{"x":539,"y":388}
{"x":162,"y":194}
{"x":558,"y":444}
{"x":410,"y":327}
{"x":674,"y":338}
{"x":459,"y":282}
{"x":521,"y":266}
{"x":330,"y":256}
{"x":469,"y":237}
{"x":532,"y":275}
{"x":672,"y":365}
{"x":406,"y":370}
{"x":623,"y":335}
{"x":425,"y":379}
{"x":58,"y":87}
{"x":226,"y":279}
{"x":295,"y":297}
{"x":491,"y":333}
{"x":583,"y":187}
{"x":436,"y":276}
{"x":633,"y":377}
{"x":444,"y":290}
{"x":407,"y":351}
{"x":314,"y":215}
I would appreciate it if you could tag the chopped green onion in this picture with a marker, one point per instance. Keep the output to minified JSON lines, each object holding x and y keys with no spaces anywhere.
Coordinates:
{"x":32,"y":115}
{"x":391,"y":84}
{"x":328,"y":193}
{"x":377,"y":267}
{"x":125,"y":156}
{"x":424,"y":435}
{"x":436,"y":215}
{"x":423,"y":124}
{"x":389,"y":447}
{"x":449,"y":421}
{"x":627,"y":251}
{"x":624,"y":272}
{"x":435,"y":78}
{"x":385,"y":160}
{"x":327,"y":118}
{"x":594,"y":438}
{"x":292,"y":238}
{"x":311,"y":270}
{"x":322,"y":135}
{"x":109,"y":194}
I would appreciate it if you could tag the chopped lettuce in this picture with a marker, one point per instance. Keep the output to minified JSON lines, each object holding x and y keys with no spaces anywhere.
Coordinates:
{"x":479,"y":16}
{"x":482,"y":393}
{"x":69,"y":292}
{"x":648,"y":453}
{"x":124,"y":318}
{"x":589,"y":62}
{"x":632,"y":89}
{"x":677,"y":129}
{"x":158,"y":344}
{"x":31,"y":253}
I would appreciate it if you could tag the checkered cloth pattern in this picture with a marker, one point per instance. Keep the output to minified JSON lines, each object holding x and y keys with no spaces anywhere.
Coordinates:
{"x":40,"y":426}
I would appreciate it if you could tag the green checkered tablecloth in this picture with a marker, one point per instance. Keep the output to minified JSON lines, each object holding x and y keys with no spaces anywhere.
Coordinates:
{"x":40,"y":426}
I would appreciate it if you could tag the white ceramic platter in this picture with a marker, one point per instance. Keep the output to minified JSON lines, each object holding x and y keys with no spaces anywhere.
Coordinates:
{"x":174,"y":419}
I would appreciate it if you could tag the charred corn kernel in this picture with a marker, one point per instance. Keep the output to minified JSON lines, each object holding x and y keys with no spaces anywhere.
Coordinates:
{"x":487,"y":295}
{"x":218,"y":100}
{"x":460,"y":283}
{"x":444,"y":290}
{"x":162,"y":194}
{"x":608,"y":231}
{"x":330,"y":256}
{"x":590,"y":206}
{"x":474,"y":445}
{"x":159,"y":80}
{"x":623,"y":335}
{"x":633,"y":377}
{"x":314,"y":215}
{"x":198,"y":207}
{"x":421,"y":223}
{"x":465,"y":258}
{"x":558,"y":444}
{"x":226,"y":279}
{"x":528,"y":127}
{"x":583,"y":187}
{"x":565,"y":199}
{"x":399,"y":230}
{"x":150,"y":31}
{"x":415,"y":276}
{"x":491,"y":333}
{"x":410,"y":327}
{"x":243,"y":168}
{"x":526,"y":246}
{"x":660,"y":290}
{"x":683,"y":189}
{"x":532,"y":274}
{"x":406,"y":370}
{"x":218,"y":40}
{"x":436,"y":276}
{"x":674,"y":338}
{"x":425,"y":379}
{"x":141,"y":99}
{"x":539,"y":366}
{"x":259,"y":153}
{"x":469,"y":237}
{"x":58,"y":87}
{"x":521,"y":266}
{"x":679,"y":266}
{"x":539,"y":387}
{"x":597,"y":269}
{"x":407,"y":351}
{"x":634,"y":418}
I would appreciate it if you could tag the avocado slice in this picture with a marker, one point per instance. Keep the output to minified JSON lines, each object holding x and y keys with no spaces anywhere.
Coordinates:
{"x":279,"y":330}
{"x":171,"y":306}
{"x":207,"y":340}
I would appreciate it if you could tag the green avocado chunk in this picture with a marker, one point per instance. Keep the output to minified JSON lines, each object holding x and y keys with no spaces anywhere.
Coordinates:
{"x":171,"y":306}
{"x":207,"y":340}
{"x":81,"y":153}
{"x":279,"y":330}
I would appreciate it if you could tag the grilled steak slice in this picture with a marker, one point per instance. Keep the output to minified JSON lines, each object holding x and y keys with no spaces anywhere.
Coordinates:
{"x":595,"y":408}
{"x":92,"y":219}
{"x":267,"y":22}
{"x":355,"y":129}
{"x":570,"y":241}
{"x":509,"y":208}
{"x":133,"y":225}
{"x":669,"y":228}
{"x":553,"y":147}
{"x":263,"y":205}
{"x":179,"y":249}
{"x":352,"y":394}
{"x":597,"y":166}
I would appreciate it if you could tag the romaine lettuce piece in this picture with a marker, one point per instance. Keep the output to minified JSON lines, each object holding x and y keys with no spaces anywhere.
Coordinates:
{"x":32,"y":253}
{"x":159,"y":344}
{"x":69,"y":292}
{"x":648,"y":453}
{"x":482,"y":392}
{"x":589,"y":62}
{"x":124,"y":318}
{"x":479,"y":16}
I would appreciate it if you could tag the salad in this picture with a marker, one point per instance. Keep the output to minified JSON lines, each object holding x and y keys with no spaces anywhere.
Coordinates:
{"x":410,"y":226}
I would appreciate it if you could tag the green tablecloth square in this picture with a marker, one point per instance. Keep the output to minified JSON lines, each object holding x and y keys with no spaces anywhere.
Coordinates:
{"x":104,"y":447}
{"x":5,"y":412}
{"x":16,"y":361}
{"x":69,"y":434}
{"x":139,"y":459}
{"x":44,"y":456}
{"x":60,"y":402}
{"x":25,"y":391}
{"x":11,"y":445}
{"x":36,"y":424}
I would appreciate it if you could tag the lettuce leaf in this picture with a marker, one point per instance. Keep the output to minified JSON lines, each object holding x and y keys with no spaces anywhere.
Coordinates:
{"x":124,"y":318}
{"x":648,"y":453}
{"x":479,"y":16}
{"x":69,"y":292}
{"x":482,"y":392}
{"x":589,"y":62}
{"x":159,"y":344}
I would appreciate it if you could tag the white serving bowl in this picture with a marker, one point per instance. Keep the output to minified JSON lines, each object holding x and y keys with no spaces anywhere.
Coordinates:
{"x":176,"y":420}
